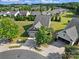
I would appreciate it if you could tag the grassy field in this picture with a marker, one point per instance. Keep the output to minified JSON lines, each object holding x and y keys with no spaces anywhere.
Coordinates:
{"x":65,"y":17}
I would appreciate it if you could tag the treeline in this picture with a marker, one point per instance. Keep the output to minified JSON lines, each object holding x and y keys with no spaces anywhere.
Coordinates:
{"x":74,"y":6}
{"x":14,"y":7}
{"x":34,"y":7}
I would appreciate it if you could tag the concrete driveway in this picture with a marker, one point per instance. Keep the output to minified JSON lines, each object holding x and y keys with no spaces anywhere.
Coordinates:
{"x":53,"y":51}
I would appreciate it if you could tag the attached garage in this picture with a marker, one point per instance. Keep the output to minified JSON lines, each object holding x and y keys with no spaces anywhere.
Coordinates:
{"x":63,"y":40}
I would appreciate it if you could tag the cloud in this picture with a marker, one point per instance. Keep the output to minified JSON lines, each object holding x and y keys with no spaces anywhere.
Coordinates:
{"x":46,"y":1}
{"x":9,"y":0}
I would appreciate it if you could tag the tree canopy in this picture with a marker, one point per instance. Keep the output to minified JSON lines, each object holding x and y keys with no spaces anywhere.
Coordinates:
{"x":8,"y":29}
{"x":44,"y":36}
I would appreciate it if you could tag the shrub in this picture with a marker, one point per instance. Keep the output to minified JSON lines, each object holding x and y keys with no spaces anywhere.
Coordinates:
{"x":56,"y":18}
{"x":59,"y":20}
{"x":31,"y":18}
{"x":14,"y":46}
{"x":20,"y":18}
{"x":72,"y":52}
{"x":52,"y":19}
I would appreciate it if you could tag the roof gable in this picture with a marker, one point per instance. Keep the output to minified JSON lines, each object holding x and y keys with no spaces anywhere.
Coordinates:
{"x":72,"y":33}
{"x":38,"y":25}
{"x":74,"y":22}
{"x":43,"y":19}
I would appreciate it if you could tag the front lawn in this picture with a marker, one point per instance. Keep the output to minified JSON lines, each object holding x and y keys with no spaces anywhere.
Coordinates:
{"x":65,"y":17}
{"x":23,"y":26}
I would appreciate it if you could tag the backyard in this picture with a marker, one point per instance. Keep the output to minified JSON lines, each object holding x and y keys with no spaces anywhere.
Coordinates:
{"x":65,"y":17}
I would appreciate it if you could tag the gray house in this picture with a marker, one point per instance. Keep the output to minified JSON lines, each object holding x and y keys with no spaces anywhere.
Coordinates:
{"x":71,"y":32}
{"x":40,"y":20}
{"x":40,"y":13}
{"x":15,"y":13}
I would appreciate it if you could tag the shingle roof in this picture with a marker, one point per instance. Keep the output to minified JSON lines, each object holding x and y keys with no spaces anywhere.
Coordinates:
{"x":14,"y":12}
{"x":43,"y":19}
{"x":23,"y":12}
{"x":72,"y":33}
{"x":72,"y":30}
{"x":58,"y":10}
{"x":36,"y":13}
{"x":74,"y":21}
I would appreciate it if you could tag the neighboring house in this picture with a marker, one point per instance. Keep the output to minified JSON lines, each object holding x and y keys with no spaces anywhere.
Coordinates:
{"x":71,"y":32}
{"x":58,"y":11}
{"x":15,"y":13}
{"x":22,"y":13}
{"x":3,"y":13}
{"x":35,"y":13}
{"x":40,"y":20}
{"x":40,"y":13}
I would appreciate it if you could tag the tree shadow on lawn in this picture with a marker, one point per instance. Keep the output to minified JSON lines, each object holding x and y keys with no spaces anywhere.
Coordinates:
{"x":26,"y":27}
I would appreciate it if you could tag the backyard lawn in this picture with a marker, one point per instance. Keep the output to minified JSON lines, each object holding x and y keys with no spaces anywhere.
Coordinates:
{"x":65,"y":17}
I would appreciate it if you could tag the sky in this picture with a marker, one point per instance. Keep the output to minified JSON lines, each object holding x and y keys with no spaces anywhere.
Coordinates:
{"x":34,"y":1}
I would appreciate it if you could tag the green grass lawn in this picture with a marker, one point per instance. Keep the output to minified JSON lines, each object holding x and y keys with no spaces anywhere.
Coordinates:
{"x":23,"y":26}
{"x":65,"y":17}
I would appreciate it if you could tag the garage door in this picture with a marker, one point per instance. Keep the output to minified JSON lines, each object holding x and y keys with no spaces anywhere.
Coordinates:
{"x":67,"y":42}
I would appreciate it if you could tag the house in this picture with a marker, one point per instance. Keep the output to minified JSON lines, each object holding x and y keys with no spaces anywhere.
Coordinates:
{"x":24,"y":13}
{"x":35,"y":13}
{"x":40,"y":13}
{"x":15,"y":13}
{"x":40,"y":20}
{"x":71,"y":32}
{"x":3,"y":13}
{"x":57,"y":11}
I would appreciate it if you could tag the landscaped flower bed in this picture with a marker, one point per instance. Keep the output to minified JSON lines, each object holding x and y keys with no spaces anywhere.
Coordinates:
{"x":14,"y":45}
